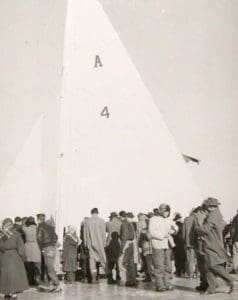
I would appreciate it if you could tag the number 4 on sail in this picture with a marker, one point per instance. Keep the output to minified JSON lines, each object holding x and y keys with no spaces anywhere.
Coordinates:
{"x":105,"y":112}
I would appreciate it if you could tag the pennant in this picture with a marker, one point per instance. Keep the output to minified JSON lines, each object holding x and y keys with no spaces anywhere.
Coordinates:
{"x":189,"y":158}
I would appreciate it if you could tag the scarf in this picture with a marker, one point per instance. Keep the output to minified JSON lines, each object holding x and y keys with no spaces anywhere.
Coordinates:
{"x":72,"y":233}
{"x":7,"y":229}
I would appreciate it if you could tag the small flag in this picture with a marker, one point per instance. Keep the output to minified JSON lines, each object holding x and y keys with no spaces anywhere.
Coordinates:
{"x":189,"y":158}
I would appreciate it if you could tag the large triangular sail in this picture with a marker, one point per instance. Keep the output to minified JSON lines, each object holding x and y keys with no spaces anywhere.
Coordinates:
{"x":21,"y":188}
{"x":116,"y":151}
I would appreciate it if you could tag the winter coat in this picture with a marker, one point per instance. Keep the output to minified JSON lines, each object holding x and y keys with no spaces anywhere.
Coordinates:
{"x":160,"y":230}
{"x":112,"y":226}
{"x":70,"y":254}
{"x":13,"y":275}
{"x":46,"y":235}
{"x":234,"y":229}
{"x":113,"y":248}
{"x":210,"y":233}
{"x":95,"y":238}
{"x":189,"y":232}
{"x":31,"y":246}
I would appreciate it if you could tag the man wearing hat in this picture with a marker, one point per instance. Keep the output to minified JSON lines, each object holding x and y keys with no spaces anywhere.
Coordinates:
{"x":126,"y":260}
{"x":210,"y":228}
{"x":113,"y":225}
{"x":113,"y":246}
{"x":178,"y":250}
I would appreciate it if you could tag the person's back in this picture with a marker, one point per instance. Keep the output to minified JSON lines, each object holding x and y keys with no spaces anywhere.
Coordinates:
{"x":215,"y":218}
{"x":127,"y":232}
{"x":30,"y":233}
{"x":234,"y":237}
{"x":18,"y":227}
{"x":31,"y":246}
{"x":47,"y":239}
{"x":189,"y":233}
{"x":97,"y":229}
{"x":13,"y":274}
{"x":190,"y":240}
{"x":114,"y":225}
{"x":211,"y":226}
{"x":46,"y":235}
{"x":95,"y":241}
{"x":234,"y":229}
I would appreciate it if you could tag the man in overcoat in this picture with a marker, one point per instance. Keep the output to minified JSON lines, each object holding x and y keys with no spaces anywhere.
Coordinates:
{"x":95,"y":241}
{"x":210,"y":228}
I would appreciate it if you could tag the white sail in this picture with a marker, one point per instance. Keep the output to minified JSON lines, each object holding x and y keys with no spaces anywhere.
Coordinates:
{"x":124,"y":160}
{"x":21,"y":188}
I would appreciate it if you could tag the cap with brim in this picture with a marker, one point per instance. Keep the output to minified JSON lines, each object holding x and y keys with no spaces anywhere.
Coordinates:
{"x":150,"y":214}
{"x":211,"y":202}
{"x":130,"y":215}
{"x":177,"y":217}
{"x":40,"y":215}
{"x":18,"y":219}
{"x":122,"y":214}
{"x":113,"y":215}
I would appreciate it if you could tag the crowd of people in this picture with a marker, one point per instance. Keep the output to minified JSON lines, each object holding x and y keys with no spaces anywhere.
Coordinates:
{"x":196,"y":247}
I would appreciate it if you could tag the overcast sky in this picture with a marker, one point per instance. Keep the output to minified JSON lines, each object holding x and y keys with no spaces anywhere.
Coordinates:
{"x":186,"y":52}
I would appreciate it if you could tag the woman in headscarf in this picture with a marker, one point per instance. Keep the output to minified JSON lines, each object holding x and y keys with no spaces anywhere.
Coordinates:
{"x":13,"y":277}
{"x":33,"y":254}
{"x":70,"y":254}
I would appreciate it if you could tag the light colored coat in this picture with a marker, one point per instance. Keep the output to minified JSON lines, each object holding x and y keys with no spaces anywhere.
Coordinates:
{"x":31,"y":246}
{"x":95,"y":238}
{"x":112,"y":226}
{"x":160,"y":230}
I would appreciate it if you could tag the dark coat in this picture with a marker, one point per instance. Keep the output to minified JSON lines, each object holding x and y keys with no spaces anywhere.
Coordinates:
{"x":211,"y":235}
{"x":46,"y":235}
{"x":178,"y":237}
{"x":70,"y":247}
{"x":13,"y":275}
{"x":189,"y":232}
{"x":21,"y":231}
{"x":234,"y":229}
{"x":113,"y":249}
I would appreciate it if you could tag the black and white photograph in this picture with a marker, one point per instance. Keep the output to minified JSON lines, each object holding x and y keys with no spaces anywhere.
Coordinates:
{"x":118,"y":149}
